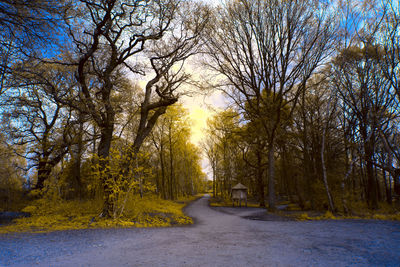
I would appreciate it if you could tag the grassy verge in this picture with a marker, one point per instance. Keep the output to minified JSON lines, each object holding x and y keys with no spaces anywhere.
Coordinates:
{"x":56,"y":214}
{"x":220,"y":202}
{"x":312,"y":216}
{"x":358,"y":211}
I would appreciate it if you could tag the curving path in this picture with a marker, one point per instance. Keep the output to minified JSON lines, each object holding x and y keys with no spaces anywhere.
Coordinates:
{"x":216,"y":239}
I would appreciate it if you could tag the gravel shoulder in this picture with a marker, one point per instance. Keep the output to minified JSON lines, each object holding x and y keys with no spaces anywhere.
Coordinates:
{"x":218,"y":238}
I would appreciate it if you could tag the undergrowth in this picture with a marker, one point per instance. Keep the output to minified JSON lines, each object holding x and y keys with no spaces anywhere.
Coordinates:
{"x":57,"y":214}
{"x":329,"y":216}
{"x":357,"y":211}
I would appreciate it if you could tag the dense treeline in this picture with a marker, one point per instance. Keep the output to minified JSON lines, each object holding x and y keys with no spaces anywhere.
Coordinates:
{"x":75,"y":121}
{"x":315,"y":102}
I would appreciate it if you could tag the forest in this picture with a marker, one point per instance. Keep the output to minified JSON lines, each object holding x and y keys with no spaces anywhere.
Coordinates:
{"x":91,"y":112}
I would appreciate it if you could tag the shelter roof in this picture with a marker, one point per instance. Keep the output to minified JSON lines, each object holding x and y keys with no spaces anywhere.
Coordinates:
{"x":239,"y":186}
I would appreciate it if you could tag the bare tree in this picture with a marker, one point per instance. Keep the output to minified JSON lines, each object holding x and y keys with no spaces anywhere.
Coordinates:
{"x":30,"y":23}
{"x":366,"y":94}
{"x":112,"y":37}
{"x":272,"y":46}
{"x":388,"y":34}
{"x":167,"y":58}
{"x":26,"y":30}
{"x":210,"y":149}
{"x":36,"y":119}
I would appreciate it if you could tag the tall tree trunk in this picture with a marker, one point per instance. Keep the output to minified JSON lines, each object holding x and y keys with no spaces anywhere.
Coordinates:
{"x":394,"y":172}
{"x":94,"y":148}
{"x":361,"y":175}
{"x":343,"y":183}
{"x":387,"y":187}
{"x":396,"y":181}
{"x":103,"y":153}
{"x":271,"y":176}
{"x":324,"y":174}
{"x":260,"y":179}
{"x":285,"y":182}
{"x":43,"y":172}
{"x":378,"y":187}
{"x":326,"y":185}
{"x":162,"y":163}
{"x":371,"y":181}
{"x":77,"y":160}
{"x":213,"y":164}
{"x":306,"y":157}
{"x":171,"y":166}
{"x":224,"y":165}
{"x":216,"y":179}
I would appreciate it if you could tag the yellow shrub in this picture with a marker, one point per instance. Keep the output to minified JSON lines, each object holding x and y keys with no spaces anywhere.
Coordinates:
{"x":328,"y":215}
{"x":393,"y":217}
{"x":293,"y":207}
{"x":57,"y":214}
{"x":304,"y":217}
{"x":380,"y":217}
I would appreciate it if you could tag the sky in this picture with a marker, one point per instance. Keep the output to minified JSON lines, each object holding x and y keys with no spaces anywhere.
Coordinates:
{"x":201,"y":105}
{"x":200,"y":109}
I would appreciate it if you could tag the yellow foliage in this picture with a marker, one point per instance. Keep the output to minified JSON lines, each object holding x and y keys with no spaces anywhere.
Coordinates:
{"x":304,"y":217}
{"x":328,"y":216}
{"x":213,"y":202}
{"x":57,"y":214}
{"x":360,"y":210}
{"x":293,"y":207}
{"x":379,"y":217}
{"x":391,"y":217}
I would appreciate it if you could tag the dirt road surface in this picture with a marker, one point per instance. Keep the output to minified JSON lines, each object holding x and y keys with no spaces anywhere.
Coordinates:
{"x":216,"y":239}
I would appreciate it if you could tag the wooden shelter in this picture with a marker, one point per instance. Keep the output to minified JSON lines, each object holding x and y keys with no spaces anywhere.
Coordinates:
{"x":239,"y":193}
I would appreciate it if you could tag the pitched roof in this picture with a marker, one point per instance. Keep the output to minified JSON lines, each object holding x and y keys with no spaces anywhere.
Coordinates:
{"x":239,"y":186}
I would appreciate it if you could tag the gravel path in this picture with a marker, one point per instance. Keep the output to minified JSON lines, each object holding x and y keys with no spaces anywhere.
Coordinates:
{"x":216,"y":239}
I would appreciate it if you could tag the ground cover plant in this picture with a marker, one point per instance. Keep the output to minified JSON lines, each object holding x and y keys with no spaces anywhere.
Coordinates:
{"x":57,"y":214}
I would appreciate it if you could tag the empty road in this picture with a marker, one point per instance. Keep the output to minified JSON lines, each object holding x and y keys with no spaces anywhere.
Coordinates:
{"x":216,"y":239}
